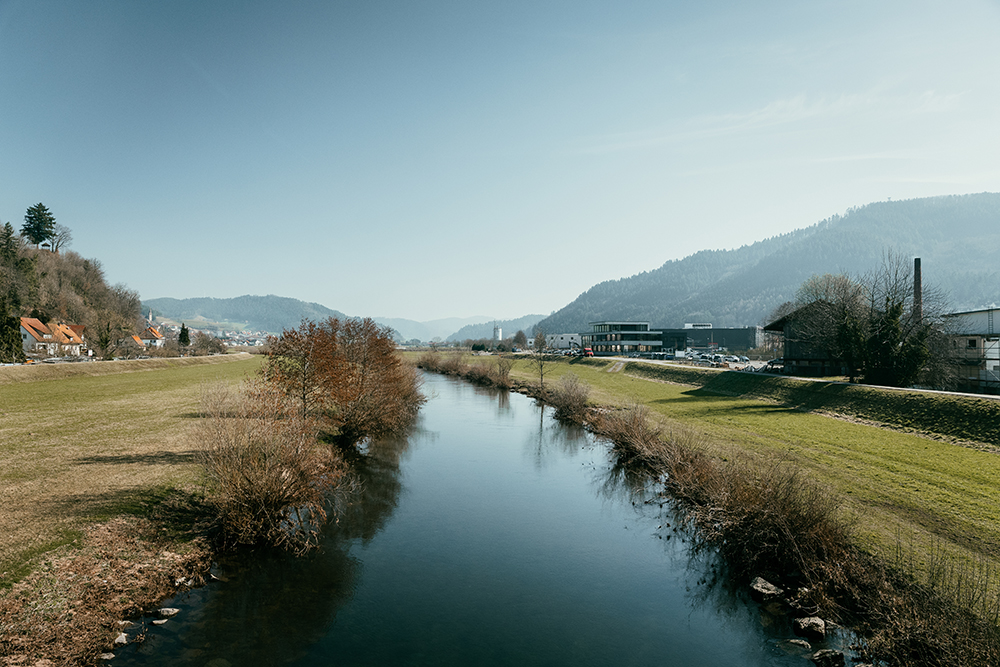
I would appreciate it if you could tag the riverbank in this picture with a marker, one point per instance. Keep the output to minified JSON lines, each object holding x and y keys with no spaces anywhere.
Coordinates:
{"x":921,"y":512}
{"x":102,"y":498}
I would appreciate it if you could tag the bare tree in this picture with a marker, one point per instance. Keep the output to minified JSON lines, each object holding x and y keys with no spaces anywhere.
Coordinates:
{"x":501,"y":370}
{"x":115,"y":320}
{"x":876,"y":324}
{"x":540,"y":342}
{"x":61,"y":238}
{"x":541,"y":364}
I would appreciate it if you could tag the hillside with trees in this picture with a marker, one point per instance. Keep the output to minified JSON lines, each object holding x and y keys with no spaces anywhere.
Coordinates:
{"x":256,"y":313}
{"x":40,"y":278}
{"x":957,"y":237}
{"x":485,"y":330}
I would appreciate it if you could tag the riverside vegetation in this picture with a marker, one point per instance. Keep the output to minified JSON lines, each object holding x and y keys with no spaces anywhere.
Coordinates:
{"x":892,"y":532}
{"x":122,"y":480}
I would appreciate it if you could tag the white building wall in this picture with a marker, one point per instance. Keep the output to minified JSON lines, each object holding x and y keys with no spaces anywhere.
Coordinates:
{"x":562,"y":341}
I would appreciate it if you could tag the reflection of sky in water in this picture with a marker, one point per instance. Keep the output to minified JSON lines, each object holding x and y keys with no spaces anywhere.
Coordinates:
{"x":492,"y":536}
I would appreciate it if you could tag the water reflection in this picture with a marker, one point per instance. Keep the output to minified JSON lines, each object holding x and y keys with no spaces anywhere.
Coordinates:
{"x":298,"y":597}
{"x":553,"y":440}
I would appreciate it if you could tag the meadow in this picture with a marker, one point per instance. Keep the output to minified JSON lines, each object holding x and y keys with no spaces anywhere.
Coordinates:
{"x":81,"y":443}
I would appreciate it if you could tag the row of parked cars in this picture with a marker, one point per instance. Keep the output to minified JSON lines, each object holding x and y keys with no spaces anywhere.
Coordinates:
{"x":723,"y":358}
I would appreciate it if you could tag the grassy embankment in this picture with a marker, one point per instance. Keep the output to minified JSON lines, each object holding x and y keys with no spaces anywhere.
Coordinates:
{"x":81,"y":443}
{"x":908,"y":482}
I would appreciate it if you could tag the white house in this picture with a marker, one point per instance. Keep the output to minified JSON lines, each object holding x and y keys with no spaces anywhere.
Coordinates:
{"x":976,"y":342}
{"x":562,"y":341}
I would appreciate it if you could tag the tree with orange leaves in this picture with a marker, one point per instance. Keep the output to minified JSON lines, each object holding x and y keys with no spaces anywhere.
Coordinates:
{"x":347,"y":375}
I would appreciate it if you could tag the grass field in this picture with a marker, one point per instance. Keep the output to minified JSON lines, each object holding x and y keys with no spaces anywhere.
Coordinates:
{"x":916,"y":494}
{"x":80,"y":443}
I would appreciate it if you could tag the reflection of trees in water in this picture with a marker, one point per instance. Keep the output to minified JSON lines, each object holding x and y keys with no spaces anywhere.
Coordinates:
{"x":375,"y":493}
{"x":500,"y":397}
{"x":274,"y":606}
{"x":712,"y":586}
{"x":553,"y":437}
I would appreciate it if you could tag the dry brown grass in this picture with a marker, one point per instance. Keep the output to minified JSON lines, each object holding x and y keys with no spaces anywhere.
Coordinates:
{"x":72,"y":607}
{"x":82,"y":443}
{"x":570,"y":398}
{"x":271,"y":479}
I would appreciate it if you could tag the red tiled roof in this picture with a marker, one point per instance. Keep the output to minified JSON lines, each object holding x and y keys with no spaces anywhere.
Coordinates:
{"x":36,"y":329}
{"x":65,"y":335}
{"x":151,"y":334}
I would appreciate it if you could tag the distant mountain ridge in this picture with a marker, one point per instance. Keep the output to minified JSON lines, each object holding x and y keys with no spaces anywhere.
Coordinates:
{"x":509,"y":328}
{"x":268,"y":313}
{"x":957,"y":238}
{"x":428,"y":331}
{"x":274,"y":314}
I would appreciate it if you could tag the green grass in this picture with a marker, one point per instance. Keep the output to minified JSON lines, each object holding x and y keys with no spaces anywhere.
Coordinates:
{"x":959,"y":417}
{"x":82,"y":443}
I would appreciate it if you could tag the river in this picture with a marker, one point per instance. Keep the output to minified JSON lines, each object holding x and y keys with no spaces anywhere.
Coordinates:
{"x":492,"y":535}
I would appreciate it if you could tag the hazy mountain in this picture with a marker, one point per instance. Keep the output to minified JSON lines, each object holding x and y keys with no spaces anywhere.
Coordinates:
{"x":255,"y":313}
{"x":509,"y":327}
{"x":427,"y":331}
{"x":956,"y":237}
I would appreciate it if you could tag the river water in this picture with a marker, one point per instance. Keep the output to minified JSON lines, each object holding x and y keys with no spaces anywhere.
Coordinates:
{"x":492,"y":535}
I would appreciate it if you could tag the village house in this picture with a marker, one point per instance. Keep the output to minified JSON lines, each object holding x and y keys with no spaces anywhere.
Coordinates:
{"x":151,"y":337}
{"x":52,"y":340}
{"x":800,"y":355}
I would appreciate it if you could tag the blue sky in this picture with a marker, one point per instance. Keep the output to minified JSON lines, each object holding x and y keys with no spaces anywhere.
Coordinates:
{"x":437,"y":159}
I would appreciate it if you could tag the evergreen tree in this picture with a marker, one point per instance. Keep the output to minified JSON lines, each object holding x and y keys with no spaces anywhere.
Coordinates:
{"x":39,"y":224}
{"x":8,"y":244}
{"x":11,"y":351}
{"x":184,"y":339}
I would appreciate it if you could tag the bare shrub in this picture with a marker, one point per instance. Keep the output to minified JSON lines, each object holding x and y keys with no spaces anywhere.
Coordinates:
{"x":269,"y":478}
{"x":570,"y":398}
{"x":634,"y":438}
{"x":501,"y":371}
{"x":453,"y":364}
{"x":430,"y":361}
{"x":478,"y":373}
{"x":768,"y":519}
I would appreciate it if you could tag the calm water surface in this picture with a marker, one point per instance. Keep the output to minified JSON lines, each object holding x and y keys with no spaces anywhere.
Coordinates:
{"x":492,"y":536}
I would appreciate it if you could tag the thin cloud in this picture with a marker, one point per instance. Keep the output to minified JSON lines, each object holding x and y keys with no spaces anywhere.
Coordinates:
{"x":784,"y":112}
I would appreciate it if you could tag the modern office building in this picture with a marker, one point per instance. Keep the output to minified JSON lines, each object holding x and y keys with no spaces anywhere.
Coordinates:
{"x":617,"y":338}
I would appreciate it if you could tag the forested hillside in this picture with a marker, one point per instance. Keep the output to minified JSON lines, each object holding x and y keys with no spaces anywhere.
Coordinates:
{"x":485,"y":330}
{"x":62,"y":287}
{"x":255,"y":313}
{"x":957,"y":237}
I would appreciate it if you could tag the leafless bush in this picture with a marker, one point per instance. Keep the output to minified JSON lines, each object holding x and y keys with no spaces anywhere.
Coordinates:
{"x":269,"y":479}
{"x":570,"y":398}
{"x":768,"y":519}
{"x":453,"y":364}
{"x":501,"y":371}
{"x":635,"y":439}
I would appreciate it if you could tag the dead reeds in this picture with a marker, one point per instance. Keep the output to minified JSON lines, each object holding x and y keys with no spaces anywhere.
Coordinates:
{"x":270,"y":479}
{"x":570,"y":398}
